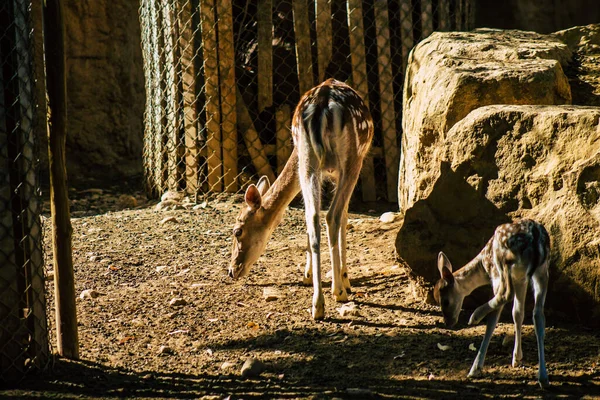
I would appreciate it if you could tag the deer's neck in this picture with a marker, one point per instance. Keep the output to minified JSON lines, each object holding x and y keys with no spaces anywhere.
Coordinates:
{"x":283,"y":191}
{"x":471,"y":276}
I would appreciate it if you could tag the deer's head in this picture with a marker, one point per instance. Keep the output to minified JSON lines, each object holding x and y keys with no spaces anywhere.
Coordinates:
{"x":446,"y":293}
{"x":251,"y":230}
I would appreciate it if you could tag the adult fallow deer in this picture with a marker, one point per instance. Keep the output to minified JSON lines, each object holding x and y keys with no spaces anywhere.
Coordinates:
{"x":332,"y":131}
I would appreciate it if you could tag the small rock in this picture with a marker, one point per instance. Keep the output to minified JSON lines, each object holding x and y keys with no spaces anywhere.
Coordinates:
{"x":227,"y":365}
{"x":161,"y":268}
{"x":177,"y":301}
{"x":200,"y":206}
{"x":348,"y":309}
{"x":172,"y":195}
{"x":271,"y":294}
{"x":94,"y":258}
{"x":472,"y":347}
{"x":252,"y":368}
{"x":165,"y":350}
{"x":127,"y":201}
{"x":387,"y":217}
{"x":89,"y":294}
{"x":169,"y":219}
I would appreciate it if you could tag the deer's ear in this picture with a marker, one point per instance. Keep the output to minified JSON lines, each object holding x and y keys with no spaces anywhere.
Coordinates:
{"x":263,"y":185}
{"x":253,"y":197}
{"x":445,"y":267}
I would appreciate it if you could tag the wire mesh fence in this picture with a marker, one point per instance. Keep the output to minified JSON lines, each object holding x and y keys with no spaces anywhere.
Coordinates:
{"x":223,"y":78}
{"x":23,"y":323}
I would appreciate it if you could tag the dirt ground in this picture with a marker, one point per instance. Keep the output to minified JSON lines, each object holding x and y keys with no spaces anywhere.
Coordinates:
{"x":169,"y":323}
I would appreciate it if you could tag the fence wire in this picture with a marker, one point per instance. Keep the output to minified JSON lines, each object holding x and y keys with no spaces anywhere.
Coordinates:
{"x":223,"y":78}
{"x":23,"y":323}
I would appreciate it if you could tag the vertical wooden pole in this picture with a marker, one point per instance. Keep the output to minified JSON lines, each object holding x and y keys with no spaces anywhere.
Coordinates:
{"x":303,"y":49}
{"x":265,"y":54}
{"x":227,"y":85}
{"x":252,"y":140}
{"x":426,"y":18}
{"x":386,"y":95}
{"x":406,"y":30}
{"x":283,"y":120}
{"x":324,"y":36}
{"x":62,"y":231}
{"x":444,"y":15}
{"x":361,"y":84}
{"x":458,"y":15}
{"x":211,"y":87}
{"x":188,"y":51}
{"x":171,"y":92}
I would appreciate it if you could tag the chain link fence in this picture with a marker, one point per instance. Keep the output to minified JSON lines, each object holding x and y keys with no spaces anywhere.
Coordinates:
{"x":223,"y":78}
{"x":23,"y":324}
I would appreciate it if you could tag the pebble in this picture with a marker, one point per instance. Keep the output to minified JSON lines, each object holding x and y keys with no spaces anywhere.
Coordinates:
{"x":177,"y":301}
{"x":387,"y":217}
{"x":165,"y":350}
{"x":168,"y":219}
{"x":89,"y":294}
{"x":252,"y":368}
{"x":271,"y":294}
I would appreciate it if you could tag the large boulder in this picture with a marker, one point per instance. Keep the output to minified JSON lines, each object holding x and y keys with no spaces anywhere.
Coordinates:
{"x":505,"y":162}
{"x":452,"y":73}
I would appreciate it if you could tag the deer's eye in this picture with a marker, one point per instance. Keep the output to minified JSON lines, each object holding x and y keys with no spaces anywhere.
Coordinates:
{"x":237,"y":232}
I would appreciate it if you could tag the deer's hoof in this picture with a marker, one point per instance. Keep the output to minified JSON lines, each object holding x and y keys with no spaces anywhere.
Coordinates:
{"x":318,"y":313}
{"x":474,"y":373}
{"x":341,"y":296}
{"x":307,"y":280}
{"x":474,"y":320}
{"x":544,"y":382}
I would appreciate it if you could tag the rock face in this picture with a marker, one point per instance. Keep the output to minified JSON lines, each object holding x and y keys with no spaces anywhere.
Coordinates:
{"x":105,"y":84}
{"x":469,"y":166}
{"x":452,"y":73}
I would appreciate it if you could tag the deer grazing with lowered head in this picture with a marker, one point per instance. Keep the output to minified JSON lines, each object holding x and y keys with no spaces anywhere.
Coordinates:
{"x":517,"y":253}
{"x":332,"y":131}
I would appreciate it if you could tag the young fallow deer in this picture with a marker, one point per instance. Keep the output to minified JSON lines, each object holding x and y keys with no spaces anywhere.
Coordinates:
{"x":332,"y":131}
{"x":518,"y":252}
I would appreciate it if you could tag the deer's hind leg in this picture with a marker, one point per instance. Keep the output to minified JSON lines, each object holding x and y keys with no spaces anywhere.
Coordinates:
{"x":336,"y":222}
{"x":539,"y":282}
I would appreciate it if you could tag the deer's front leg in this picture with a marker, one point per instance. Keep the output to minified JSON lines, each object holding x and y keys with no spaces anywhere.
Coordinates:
{"x":492,"y":321}
{"x":307,"y":277}
{"x":540,"y":287}
{"x":518,"y":313}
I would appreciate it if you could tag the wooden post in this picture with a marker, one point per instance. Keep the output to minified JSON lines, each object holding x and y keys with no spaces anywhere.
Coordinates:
{"x":386,"y":96}
{"x":303,"y":49}
{"x":227,"y":85}
{"x":444,"y":15}
{"x":211,"y":87}
{"x":171,"y":93}
{"x":265,"y":53}
{"x":458,"y":15}
{"x":283,"y":120}
{"x":406,"y":30}
{"x":188,"y":51}
{"x":360,"y":83}
{"x":62,"y":231}
{"x":324,"y":36}
{"x":426,"y":18}
{"x":252,"y":140}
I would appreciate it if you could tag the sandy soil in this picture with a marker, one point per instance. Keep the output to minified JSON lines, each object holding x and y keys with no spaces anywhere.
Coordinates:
{"x":169,"y":323}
